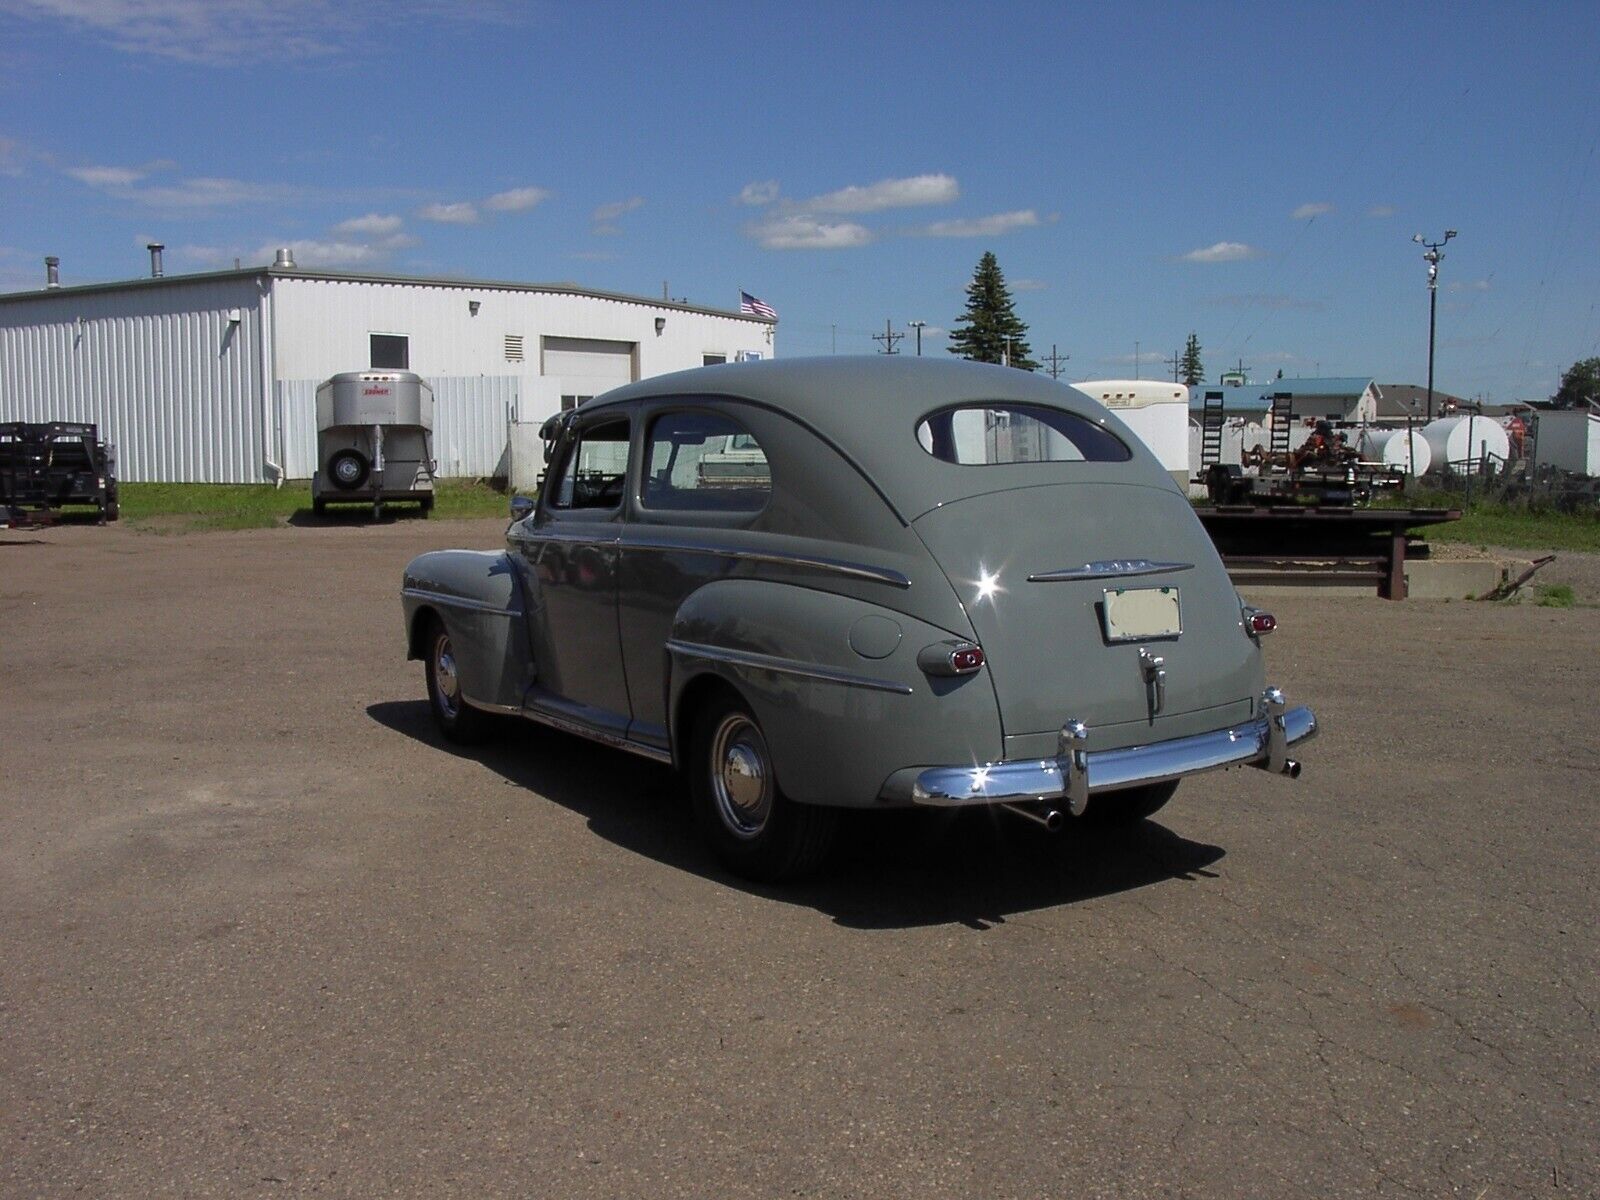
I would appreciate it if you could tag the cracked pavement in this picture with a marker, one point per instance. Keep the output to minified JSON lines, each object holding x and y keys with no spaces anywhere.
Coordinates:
{"x":263,"y":934}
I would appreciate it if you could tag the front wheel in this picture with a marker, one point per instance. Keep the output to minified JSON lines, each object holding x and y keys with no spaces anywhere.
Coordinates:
{"x":456,"y":719}
{"x":753,"y":828}
{"x":1120,"y":810}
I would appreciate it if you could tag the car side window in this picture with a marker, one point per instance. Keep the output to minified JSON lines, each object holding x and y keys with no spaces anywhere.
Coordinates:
{"x":595,"y":470}
{"x":1002,"y":433}
{"x":704,"y":462}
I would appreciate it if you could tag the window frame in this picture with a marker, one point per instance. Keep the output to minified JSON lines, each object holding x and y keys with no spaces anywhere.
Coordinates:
{"x":577,"y":434}
{"x":404,"y":341}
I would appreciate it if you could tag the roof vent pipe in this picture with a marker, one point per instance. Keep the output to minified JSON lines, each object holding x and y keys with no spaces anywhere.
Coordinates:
{"x":285,"y":258}
{"x":52,"y":271}
{"x":155,"y":249}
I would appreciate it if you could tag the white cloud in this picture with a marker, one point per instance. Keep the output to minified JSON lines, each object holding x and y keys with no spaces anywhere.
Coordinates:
{"x":991,"y":226}
{"x":324,"y":254}
{"x":107,"y":177}
{"x":800,"y":232}
{"x":373,"y":223}
{"x":460,"y":213}
{"x":516,"y":200}
{"x":1028,"y":285}
{"x":205,"y":192}
{"x":1270,"y":301}
{"x":217,"y":32}
{"x":1381,"y":210}
{"x":1306,"y":211}
{"x":757,"y":194}
{"x":1222,"y":252}
{"x":1468,"y":285}
{"x":912,"y":192}
{"x":607,"y":213}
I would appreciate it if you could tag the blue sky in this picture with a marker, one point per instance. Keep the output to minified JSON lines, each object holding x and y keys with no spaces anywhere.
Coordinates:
{"x":1249,"y":173}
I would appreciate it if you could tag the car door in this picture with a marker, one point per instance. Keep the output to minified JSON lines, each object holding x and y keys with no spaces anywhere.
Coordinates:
{"x":568,"y":550}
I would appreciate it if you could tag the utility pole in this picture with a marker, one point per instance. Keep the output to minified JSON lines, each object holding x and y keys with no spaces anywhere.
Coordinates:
{"x":1055,"y":360}
{"x":1136,"y":360}
{"x":835,"y":344}
{"x":1173,"y":363}
{"x":917,"y":325}
{"x":888,"y":337}
{"x":1432,"y":253}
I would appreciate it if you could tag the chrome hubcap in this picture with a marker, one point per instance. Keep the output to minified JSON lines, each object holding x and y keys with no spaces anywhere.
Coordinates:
{"x":741,"y":776}
{"x":347,"y":469}
{"x":447,"y":684}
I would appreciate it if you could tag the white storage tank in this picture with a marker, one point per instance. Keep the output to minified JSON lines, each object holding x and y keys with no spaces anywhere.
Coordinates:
{"x":1405,"y":450}
{"x":1460,"y":444}
{"x":1158,"y":412}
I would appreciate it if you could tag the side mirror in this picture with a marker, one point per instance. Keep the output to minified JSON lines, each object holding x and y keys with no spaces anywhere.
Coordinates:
{"x":521,"y":507}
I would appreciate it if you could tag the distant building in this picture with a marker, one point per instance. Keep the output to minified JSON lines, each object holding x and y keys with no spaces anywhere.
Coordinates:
{"x":1399,"y":401}
{"x":1352,"y":400}
{"x":211,"y":378}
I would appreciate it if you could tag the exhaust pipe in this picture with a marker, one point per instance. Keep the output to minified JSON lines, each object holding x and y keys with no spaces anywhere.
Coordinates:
{"x":155,"y":249}
{"x":52,"y":271}
{"x":1290,"y":768}
{"x":1050,"y":818}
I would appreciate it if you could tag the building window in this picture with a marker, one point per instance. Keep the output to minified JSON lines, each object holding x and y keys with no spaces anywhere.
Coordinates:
{"x":568,"y":403}
{"x":391,"y":352}
{"x":513,"y":347}
{"x":713,"y":360}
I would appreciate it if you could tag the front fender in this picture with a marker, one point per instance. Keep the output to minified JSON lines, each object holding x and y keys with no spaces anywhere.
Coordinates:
{"x":834,"y":683}
{"x":478,"y":595}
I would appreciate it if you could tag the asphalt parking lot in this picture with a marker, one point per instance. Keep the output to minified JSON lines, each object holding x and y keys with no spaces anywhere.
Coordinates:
{"x":261,"y":933}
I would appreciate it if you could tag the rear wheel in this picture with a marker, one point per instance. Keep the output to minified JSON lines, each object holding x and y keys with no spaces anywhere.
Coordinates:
{"x":754,"y":829}
{"x":456,"y":719}
{"x":1119,"y":810}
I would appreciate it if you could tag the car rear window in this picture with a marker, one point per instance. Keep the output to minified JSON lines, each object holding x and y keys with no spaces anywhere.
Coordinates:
{"x":995,"y":434}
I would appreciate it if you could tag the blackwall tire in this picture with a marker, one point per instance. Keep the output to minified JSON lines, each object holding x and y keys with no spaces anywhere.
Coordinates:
{"x":755,"y":830}
{"x":1124,"y":809}
{"x":455,"y":718}
{"x":348,"y":470}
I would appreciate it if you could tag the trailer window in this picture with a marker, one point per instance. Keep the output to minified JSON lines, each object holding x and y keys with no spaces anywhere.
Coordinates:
{"x":997,"y":434}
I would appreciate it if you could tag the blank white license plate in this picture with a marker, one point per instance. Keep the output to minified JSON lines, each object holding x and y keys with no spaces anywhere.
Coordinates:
{"x":1134,"y":614}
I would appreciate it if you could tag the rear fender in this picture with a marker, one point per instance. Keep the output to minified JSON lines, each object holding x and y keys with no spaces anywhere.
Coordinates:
{"x":478,"y":595}
{"x":833,"y":681}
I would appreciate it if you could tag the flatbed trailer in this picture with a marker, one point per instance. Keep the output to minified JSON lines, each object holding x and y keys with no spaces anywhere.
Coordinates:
{"x":1333,"y":544}
{"x":45,"y":466}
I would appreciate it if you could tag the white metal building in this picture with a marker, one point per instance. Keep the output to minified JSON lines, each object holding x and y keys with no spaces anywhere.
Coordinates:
{"x":211,"y":378}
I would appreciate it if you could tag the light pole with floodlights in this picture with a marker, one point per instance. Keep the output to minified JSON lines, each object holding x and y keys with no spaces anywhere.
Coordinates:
{"x":1431,"y":255}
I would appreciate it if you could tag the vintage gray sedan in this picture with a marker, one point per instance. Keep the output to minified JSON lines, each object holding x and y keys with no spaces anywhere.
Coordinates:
{"x":832,"y":583}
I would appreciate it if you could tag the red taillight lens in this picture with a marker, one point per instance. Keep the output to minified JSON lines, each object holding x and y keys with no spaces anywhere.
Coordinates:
{"x":1262,"y":622}
{"x":966,"y":660}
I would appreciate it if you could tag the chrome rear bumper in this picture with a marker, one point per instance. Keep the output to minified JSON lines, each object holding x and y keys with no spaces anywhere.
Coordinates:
{"x":1076,"y":772}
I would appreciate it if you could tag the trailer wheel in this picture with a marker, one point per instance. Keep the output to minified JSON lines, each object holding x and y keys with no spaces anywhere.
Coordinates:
{"x":319,"y":507}
{"x":427,"y":505}
{"x":349,"y":469}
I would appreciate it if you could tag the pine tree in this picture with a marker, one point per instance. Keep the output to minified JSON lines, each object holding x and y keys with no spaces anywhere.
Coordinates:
{"x":990,"y":331}
{"x":1190,"y":368}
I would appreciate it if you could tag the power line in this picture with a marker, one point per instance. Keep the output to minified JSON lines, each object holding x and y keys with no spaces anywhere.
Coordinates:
{"x":888,"y":337}
{"x":1055,"y":360}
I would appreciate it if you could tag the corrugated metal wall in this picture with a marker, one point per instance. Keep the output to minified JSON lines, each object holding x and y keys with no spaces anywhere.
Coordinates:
{"x":471,"y":415}
{"x":164,"y":371}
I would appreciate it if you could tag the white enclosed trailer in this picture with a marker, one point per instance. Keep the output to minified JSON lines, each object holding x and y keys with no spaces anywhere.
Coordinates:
{"x":1158,"y":412}
{"x":1569,"y":440}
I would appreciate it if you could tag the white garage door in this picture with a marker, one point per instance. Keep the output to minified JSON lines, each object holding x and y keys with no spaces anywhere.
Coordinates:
{"x":586,"y":367}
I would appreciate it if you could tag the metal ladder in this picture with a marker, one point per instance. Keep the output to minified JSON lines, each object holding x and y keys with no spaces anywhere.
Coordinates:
{"x":1211,"y":422}
{"x":1282,"y":417}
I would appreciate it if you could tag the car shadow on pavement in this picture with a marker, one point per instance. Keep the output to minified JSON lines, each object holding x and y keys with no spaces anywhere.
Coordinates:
{"x":893,"y":870}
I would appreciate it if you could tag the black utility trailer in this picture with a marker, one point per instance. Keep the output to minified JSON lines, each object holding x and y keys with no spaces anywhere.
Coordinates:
{"x":44,"y":466}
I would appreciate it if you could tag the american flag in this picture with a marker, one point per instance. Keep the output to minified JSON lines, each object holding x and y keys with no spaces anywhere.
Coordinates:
{"x":752,"y":307}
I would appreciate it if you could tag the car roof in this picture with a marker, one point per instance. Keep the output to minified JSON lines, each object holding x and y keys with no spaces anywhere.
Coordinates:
{"x":869,"y":407}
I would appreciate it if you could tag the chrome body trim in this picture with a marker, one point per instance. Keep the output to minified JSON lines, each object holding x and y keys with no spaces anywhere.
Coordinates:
{"x":1116,"y":568}
{"x":582,"y":729}
{"x":449,"y":601}
{"x":787,"y":666}
{"x":1077,"y":773}
{"x":832,"y":566}
{"x":508,"y":710}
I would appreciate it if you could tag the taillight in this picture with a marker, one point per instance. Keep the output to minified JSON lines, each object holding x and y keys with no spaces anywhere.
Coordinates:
{"x":1258,"y":621}
{"x":950,"y":658}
